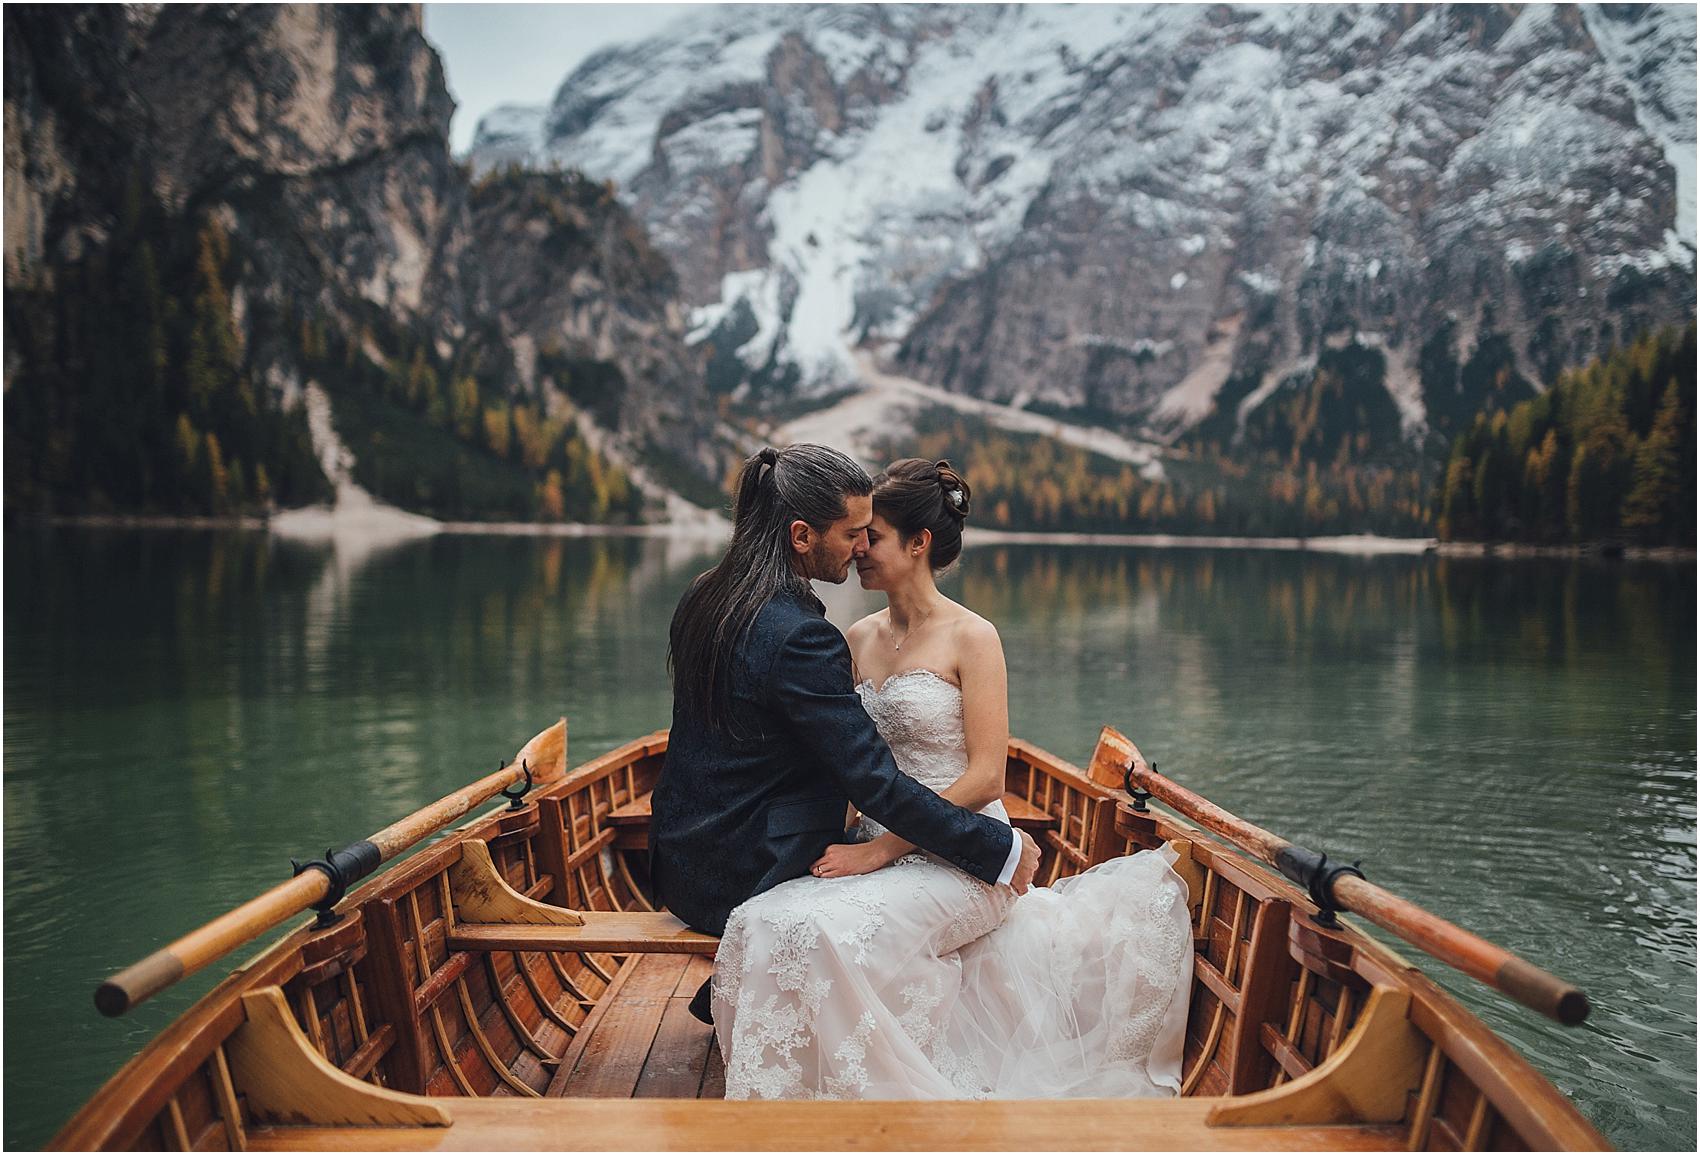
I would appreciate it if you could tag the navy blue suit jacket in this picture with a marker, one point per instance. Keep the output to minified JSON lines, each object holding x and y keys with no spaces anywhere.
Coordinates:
{"x":737,"y":813}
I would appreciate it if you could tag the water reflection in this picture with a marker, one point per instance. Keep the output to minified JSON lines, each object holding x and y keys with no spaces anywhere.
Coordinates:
{"x":1512,"y":744}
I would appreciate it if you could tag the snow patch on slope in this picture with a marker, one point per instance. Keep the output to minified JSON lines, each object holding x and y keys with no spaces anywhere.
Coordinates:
{"x":355,"y":516}
{"x":1655,"y":60}
{"x":856,"y":424}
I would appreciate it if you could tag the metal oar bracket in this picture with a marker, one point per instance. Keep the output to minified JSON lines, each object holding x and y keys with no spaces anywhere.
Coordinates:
{"x":344,"y":868}
{"x":1310,"y":870}
{"x":1140,"y":796}
{"x":516,"y":793}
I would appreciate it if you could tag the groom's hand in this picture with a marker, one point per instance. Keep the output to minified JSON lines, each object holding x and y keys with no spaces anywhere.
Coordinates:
{"x":1027,"y":867}
{"x":843,"y":859}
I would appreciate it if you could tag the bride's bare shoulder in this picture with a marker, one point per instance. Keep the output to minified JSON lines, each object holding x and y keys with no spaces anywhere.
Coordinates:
{"x":865,"y":628}
{"x":974,"y":632}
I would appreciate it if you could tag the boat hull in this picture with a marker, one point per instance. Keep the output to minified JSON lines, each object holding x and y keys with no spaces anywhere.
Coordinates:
{"x":458,"y":1003}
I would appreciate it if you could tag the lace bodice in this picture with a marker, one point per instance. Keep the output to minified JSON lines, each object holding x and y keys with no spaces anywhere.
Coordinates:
{"x":919,"y":715}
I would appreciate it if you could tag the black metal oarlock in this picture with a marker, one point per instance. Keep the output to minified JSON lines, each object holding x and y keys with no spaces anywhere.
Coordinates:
{"x":516,"y":793}
{"x":344,"y":868}
{"x":1311,"y":870}
{"x":1140,"y":797}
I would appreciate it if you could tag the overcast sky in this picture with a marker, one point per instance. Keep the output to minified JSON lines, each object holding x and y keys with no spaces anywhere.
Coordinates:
{"x":520,"y":53}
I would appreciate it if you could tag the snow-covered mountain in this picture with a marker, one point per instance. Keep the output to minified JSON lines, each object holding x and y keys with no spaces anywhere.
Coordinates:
{"x":1119,"y":210}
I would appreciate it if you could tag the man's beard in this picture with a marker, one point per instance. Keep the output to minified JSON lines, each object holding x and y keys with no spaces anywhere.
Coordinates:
{"x":818,"y":566}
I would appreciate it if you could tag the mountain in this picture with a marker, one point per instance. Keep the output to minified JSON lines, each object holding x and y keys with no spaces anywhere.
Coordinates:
{"x":217,"y":213}
{"x":1194,"y":223}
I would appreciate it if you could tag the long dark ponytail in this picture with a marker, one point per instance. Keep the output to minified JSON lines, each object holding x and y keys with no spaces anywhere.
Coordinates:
{"x":801,"y":482}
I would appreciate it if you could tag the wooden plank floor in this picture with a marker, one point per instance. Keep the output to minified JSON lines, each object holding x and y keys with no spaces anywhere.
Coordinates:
{"x":641,"y":1041}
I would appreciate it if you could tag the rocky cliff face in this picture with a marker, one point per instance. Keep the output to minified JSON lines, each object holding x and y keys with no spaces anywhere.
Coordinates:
{"x":588,"y":308}
{"x":1158,"y":216}
{"x":69,"y":117}
{"x":317,"y":138}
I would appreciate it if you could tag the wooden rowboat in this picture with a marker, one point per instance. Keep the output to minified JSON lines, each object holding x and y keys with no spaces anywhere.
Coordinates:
{"x":512,"y":987}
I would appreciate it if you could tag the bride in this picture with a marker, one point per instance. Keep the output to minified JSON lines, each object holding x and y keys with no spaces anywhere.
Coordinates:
{"x":890,"y":975}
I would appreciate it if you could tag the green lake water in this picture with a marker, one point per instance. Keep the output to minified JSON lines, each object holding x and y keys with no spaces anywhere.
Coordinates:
{"x":1509,"y":743}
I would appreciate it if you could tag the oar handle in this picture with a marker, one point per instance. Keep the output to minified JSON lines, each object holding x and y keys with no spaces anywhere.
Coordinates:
{"x":1475,"y":956}
{"x":219,"y":937}
{"x":225,"y":933}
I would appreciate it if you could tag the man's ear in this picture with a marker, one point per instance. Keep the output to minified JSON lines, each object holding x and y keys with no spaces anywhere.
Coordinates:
{"x":802,"y":536}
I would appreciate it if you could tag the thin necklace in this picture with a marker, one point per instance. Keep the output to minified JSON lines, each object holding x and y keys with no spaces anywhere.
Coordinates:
{"x":910,"y":632}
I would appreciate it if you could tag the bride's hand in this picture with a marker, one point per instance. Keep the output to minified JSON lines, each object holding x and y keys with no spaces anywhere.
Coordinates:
{"x":843,"y":859}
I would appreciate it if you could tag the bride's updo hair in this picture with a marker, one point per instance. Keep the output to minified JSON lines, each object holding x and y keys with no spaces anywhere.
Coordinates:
{"x":915,"y":494}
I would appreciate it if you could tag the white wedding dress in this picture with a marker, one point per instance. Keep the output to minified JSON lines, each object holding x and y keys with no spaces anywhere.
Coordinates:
{"x":917,"y":981}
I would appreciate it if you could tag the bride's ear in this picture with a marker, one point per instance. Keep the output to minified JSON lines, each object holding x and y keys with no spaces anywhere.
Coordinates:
{"x":921,"y":542}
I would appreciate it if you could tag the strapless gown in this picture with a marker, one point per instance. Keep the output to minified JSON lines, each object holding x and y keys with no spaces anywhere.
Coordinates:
{"x":918,"y":981}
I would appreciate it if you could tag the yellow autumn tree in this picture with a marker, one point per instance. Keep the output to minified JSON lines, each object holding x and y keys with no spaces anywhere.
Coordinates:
{"x":218,"y":477}
{"x":464,"y":405}
{"x":497,"y":429}
{"x":551,"y":501}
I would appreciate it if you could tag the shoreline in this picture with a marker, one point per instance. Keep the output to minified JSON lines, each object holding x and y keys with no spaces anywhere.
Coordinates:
{"x":1604,"y":551}
{"x":327,"y":525}
{"x":1364,"y":544}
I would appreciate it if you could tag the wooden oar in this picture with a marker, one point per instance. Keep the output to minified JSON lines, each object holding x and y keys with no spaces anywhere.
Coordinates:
{"x":253,"y":918}
{"x":1347,"y":890}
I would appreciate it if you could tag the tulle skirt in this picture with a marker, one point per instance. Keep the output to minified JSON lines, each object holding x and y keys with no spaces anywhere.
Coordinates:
{"x":919,"y":982}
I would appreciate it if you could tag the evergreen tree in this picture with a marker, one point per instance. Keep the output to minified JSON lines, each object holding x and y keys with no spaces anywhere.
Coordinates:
{"x":1457,"y":498}
{"x":213,"y":358}
{"x":217,"y":477}
{"x":1650,"y":510}
{"x":187,"y":459}
{"x":1591,"y":459}
{"x":414,"y":392}
{"x":464,"y":394}
{"x":1595,"y":492}
{"x":1544,"y":487}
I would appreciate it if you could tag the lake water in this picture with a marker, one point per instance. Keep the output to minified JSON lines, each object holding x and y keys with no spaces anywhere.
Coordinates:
{"x":1509,"y":743}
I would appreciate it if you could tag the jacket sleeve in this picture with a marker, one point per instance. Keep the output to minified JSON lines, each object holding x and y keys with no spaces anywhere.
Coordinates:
{"x":810,"y":686}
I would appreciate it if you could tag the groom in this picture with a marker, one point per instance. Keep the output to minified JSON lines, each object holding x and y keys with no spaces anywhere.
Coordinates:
{"x":770,"y":743}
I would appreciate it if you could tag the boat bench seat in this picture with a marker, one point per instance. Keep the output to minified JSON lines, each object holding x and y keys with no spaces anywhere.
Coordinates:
{"x":615,"y":932}
{"x":631,"y":821}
